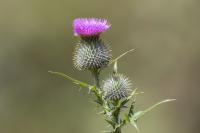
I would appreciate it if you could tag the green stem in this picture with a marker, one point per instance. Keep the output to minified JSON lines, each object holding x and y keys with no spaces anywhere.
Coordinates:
{"x":116,"y":111}
{"x":114,"y":116}
{"x":95,"y":74}
{"x":97,"y":91}
{"x":118,"y":130}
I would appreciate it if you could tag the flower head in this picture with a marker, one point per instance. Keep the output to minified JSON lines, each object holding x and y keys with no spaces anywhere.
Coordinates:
{"x":87,"y":27}
{"x":116,"y":87}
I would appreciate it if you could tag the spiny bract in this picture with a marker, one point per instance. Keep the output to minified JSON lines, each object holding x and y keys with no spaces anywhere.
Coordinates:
{"x":116,"y":87}
{"x":90,"y":55}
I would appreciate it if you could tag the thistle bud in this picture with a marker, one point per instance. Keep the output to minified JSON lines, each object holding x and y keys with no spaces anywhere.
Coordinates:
{"x":91,"y":54}
{"x":116,"y":87}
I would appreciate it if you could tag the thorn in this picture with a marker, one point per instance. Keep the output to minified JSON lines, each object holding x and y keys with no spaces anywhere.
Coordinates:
{"x":100,"y":113}
{"x":105,"y":131}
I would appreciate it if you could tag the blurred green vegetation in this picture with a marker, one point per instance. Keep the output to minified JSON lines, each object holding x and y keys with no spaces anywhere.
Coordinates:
{"x":36,"y":36}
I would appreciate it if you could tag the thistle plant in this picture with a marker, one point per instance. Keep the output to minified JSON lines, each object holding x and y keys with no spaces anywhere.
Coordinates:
{"x":115,"y":95}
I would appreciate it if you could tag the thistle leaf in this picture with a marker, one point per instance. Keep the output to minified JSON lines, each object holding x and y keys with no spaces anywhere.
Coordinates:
{"x":116,"y":59}
{"x":126,"y":118}
{"x":128,"y":98}
{"x":80,"y":83}
{"x":98,"y":101}
{"x":111,"y":123}
{"x":139,"y":114}
{"x":131,"y":110}
{"x":106,"y":132}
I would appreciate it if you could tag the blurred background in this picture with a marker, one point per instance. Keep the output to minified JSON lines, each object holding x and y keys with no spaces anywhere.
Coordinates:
{"x":36,"y":36}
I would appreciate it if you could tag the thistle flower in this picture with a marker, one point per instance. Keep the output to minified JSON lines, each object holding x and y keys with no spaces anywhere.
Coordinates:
{"x":86,"y":27}
{"x":91,"y":56}
{"x":116,"y":87}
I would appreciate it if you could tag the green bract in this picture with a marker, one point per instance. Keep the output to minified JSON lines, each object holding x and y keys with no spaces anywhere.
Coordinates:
{"x":91,"y":54}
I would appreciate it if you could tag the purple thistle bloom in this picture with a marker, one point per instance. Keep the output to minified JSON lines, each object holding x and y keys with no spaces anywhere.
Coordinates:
{"x":87,"y":27}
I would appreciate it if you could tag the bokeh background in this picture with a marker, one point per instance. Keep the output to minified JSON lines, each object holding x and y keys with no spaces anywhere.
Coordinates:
{"x":36,"y":36}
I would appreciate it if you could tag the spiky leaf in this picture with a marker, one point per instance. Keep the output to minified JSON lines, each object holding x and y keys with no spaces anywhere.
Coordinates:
{"x":111,"y":123}
{"x":131,"y":110}
{"x":139,"y":114}
{"x":135,"y":125}
{"x":80,"y":83}
{"x":116,"y":59}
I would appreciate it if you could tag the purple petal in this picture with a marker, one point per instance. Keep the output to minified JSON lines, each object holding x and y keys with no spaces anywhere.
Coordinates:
{"x":90,"y":26}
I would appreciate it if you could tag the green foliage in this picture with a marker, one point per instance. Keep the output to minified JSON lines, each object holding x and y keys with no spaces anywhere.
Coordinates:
{"x":134,"y":117}
{"x":139,"y":114}
{"x":75,"y":81}
{"x":116,"y":59}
